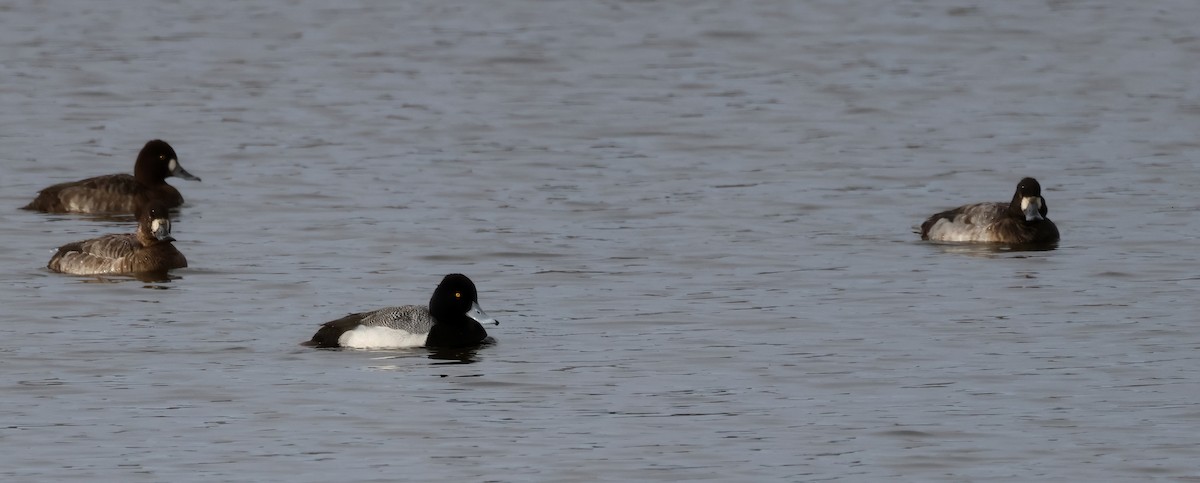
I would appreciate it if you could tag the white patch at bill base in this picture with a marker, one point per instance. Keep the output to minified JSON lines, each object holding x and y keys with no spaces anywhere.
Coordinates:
{"x":1031,"y":206}
{"x":160,"y":227}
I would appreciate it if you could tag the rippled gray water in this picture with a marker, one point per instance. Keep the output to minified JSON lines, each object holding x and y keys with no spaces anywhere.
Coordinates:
{"x":693,"y":220}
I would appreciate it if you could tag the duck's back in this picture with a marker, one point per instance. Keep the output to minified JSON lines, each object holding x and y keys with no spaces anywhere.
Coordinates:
{"x":972,"y":222}
{"x":114,"y":254}
{"x":114,"y":193}
{"x":95,"y":256}
{"x":410,"y":319}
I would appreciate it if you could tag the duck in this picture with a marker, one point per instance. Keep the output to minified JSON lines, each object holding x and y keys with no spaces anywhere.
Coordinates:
{"x":147,"y":250}
{"x":453,"y":319}
{"x":119,"y":193}
{"x":1020,"y":221}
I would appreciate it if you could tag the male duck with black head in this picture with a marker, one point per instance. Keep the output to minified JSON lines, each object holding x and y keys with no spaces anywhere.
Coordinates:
{"x":119,"y":193}
{"x":1021,"y":221}
{"x":149,"y":250}
{"x":452,"y":320}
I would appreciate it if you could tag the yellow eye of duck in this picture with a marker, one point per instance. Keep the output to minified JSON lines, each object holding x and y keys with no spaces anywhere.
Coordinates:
{"x":458,"y":295}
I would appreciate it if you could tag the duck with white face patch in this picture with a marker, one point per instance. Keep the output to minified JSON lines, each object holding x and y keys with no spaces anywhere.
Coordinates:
{"x":149,"y":250}
{"x":1020,"y":221}
{"x":119,"y":193}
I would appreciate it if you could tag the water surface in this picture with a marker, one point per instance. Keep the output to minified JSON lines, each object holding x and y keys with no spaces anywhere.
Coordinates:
{"x":694,"y":221}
